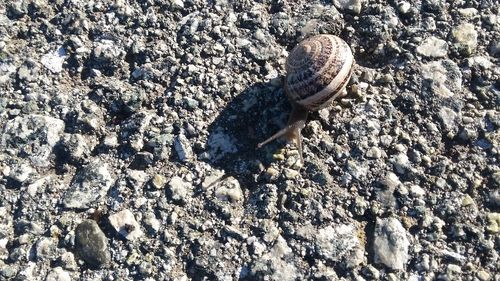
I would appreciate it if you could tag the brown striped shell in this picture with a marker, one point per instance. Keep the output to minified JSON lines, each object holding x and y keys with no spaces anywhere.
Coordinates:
{"x":318,"y":70}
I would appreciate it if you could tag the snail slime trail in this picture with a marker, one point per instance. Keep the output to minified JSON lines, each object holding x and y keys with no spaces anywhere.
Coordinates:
{"x":317,"y":72}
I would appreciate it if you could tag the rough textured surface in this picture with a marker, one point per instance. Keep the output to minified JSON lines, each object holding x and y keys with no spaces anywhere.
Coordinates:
{"x":156,"y":107}
{"x":390,"y":243}
{"x":91,"y":244}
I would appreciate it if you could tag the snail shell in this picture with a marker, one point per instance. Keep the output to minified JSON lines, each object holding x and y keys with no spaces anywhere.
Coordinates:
{"x":318,"y":70}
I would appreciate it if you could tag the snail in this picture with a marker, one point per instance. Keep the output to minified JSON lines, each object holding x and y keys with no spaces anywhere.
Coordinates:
{"x":317,"y":72}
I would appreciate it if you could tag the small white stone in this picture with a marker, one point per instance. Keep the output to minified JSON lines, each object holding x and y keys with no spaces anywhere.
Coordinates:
{"x":124,"y":223}
{"x":404,"y":7}
{"x":465,"y":36}
{"x":417,"y":191}
{"x":58,"y":274}
{"x":21,"y":173}
{"x":433,"y":47}
{"x":390,"y":243}
{"x":401,"y":162}
{"x":179,"y":189}
{"x":350,"y":5}
{"x":340,"y":244}
{"x":374,"y":153}
{"x":467,"y":12}
{"x":445,"y":77}
{"x":54,"y":61}
{"x":229,"y":190}
{"x":183,"y":148}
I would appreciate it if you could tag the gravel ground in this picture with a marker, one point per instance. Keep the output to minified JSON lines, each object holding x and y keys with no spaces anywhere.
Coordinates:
{"x":128,"y":135}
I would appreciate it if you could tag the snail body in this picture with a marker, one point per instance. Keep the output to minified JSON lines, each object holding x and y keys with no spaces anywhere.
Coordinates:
{"x":317,"y":72}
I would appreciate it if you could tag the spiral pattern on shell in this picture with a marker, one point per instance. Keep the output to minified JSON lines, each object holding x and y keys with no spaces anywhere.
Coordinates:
{"x":317,"y":71}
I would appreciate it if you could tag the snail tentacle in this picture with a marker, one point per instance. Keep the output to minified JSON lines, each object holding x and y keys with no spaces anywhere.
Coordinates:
{"x":317,"y":72}
{"x":292,"y":131}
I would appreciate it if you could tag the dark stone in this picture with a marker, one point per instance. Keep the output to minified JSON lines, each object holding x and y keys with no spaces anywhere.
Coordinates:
{"x":92,"y":245}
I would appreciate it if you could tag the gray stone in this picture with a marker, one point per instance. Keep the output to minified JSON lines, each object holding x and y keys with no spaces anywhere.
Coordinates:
{"x":75,"y":147}
{"x":448,"y":118}
{"x":45,"y":249}
{"x":179,"y":189}
{"x":401,"y":162}
{"x":465,"y":36}
{"x":433,"y":47}
{"x":404,"y":7}
{"x":35,"y":134}
{"x":417,"y":191}
{"x":494,"y":197}
{"x":374,"y":153}
{"x":124,"y":223}
{"x":221,"y":144}
{"x":340,"y":244}
{"x":58,"y":274}
{"x":390,"y":243}
{"x":68,"y":261}
{"x":183,"y":148}
{"x":444,"y":77}
{"x":151,"y":222}
{"x":229,"y":190}
{"x":54,"y":61}
{"x":89,"y":185}
{"x":21,"y":172}
{"x":92,"y":245}
{"x":349,"y":5}
{"x":273,"y":266}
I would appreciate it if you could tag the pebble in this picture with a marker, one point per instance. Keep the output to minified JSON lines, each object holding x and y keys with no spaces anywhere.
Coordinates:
{"x":54,"y":61}
{"x":495,"y":178}
{"x":151,"y":222}
{"x":349,"y":5}
{"x":290,"y":173}
{"x":92,"y":245}
{"x":448,"y":118}
{"x":494,"y":197}
{"x":21,"y":172}
{"x":357,"y":169}
{"x":35,"y":133}
{"x":90,"y":184}
{"x":493,"y":224}
{"x":391,"y":181}
{"x":229,"y":190}
{"x":340,"y":244}
{"x":111,"y":140}
{"x":483,"y":275}
{"x":221,"y":144}
{"x":45,"y":249}
{"x":390,"y":243}
{"x":467,"y":12}
{"x":179,"y":189}
{"x":58,"y":274}
{"x":68,"y":261}
{"x":404,"y":7}
{"x":158,"y":181}
{"x":124,"y":223}
{"x":211,"y":179}
{"x":183,"y":148}
{"x":401,"y":162}
{"x":465,"y":36}
{"x":374,"y":153}
{"x":417,"y":191}
{"x":444,"y":76}
{"x":75,"y":147}
{"x":433,"y":47}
